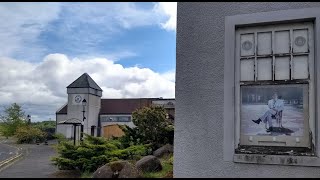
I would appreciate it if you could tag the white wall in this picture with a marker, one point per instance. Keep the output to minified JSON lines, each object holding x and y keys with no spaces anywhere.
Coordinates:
{"x":64,"y":129}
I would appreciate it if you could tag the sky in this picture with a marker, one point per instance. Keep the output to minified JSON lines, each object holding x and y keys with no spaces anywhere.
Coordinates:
{"x":127,"y":48}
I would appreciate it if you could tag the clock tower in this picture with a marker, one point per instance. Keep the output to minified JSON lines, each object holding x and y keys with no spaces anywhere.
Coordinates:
{"x":84,"y":88}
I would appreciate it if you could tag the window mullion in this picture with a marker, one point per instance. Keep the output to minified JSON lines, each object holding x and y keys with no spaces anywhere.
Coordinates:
{"x":255,"y":56}
{"x":273,"y":56}
{"x":291,"y":54}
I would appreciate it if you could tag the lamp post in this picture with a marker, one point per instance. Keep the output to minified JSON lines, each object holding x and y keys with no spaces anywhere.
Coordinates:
{"x":84,"y":103}
{"x":29,"y":119}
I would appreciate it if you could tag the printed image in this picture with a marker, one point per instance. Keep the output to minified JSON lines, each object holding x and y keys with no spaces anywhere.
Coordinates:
{"x":272,"y":110}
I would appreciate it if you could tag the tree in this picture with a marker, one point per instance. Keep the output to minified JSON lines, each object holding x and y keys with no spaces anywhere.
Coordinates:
{"x":152,"y":127}
{"x":13,"y":118}
{"x":48,"y":127}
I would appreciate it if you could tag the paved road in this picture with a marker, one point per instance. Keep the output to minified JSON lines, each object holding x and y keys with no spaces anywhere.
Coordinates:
{"x":35,"y":164}
{"x":6,"y":151}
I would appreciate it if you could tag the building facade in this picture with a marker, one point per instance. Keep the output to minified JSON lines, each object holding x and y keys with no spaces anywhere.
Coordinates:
{"x":96,"y":113}
{"x":248,"y":57}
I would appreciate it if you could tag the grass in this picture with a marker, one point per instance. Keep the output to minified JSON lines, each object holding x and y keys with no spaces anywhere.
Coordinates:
{"x":86,"y":175}
{"x":167,"y":168}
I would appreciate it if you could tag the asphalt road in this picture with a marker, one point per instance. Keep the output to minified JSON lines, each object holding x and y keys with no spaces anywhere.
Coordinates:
{"x":35,"y":163}
{"x":6,"y":151}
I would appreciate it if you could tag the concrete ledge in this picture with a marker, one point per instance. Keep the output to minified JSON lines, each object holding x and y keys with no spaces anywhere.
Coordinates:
{"x":277,"y":159}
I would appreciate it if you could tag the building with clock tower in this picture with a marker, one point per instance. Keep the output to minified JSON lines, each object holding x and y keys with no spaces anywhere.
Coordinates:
{"x":100,"y":117}
{"x":83,"y":89}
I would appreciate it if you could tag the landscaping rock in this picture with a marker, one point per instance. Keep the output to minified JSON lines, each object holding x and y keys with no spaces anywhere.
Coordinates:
{"x":149,"y":164}
{"x":129,"y":171}
{"x":164,"y":150}
{"x":117,"y":169}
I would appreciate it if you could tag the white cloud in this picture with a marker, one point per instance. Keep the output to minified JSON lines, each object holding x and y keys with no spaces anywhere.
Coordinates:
{"x":41,"y":87}
{"x":84,"y":24}
{"x":21,"y":24}
{"x":125,"y":14}
{"x":168,"y":9}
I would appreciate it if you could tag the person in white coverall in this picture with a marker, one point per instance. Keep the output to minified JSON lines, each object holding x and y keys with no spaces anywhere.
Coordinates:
{"x":275,"y":105}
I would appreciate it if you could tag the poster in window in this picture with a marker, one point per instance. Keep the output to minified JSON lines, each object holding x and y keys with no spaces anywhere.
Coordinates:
{"x":275,"y":110}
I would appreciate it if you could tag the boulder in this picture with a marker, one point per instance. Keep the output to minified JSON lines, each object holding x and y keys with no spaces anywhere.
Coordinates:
{"x":163,"y":151}
{"x":103,"y":172}
{"x":129,"y":171}
{"x":117,"y":169}
{"x":149,"y":164}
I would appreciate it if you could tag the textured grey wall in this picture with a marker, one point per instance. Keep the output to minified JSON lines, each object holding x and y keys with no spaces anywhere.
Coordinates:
{"x":199,"y":92}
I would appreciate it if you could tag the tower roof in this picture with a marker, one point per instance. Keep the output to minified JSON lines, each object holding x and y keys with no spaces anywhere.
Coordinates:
{"x":84,"y":81}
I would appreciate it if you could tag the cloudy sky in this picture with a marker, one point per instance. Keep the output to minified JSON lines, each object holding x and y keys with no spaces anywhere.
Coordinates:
{"x":127,"y":48}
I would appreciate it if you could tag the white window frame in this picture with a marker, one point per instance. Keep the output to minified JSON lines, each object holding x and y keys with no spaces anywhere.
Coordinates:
{"x":309,"y":81}
{"x":231,"y":128}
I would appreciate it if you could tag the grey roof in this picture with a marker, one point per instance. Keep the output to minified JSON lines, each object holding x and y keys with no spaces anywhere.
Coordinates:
{"x":71,"y":121}
{"x":84,"y":81}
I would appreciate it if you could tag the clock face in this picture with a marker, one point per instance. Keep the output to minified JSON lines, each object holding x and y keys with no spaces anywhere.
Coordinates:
{"x":77,"y":99}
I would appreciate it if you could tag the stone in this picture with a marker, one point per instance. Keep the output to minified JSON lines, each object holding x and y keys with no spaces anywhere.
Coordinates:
{"x":149,"y":164}
{"x":165,"y":150}
{"x":103,"y":172}
{"x":129,"y":171}
{"x":117,"y":169}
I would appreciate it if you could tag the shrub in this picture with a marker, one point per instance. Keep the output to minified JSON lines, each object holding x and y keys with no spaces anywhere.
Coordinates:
{"x":49,"y":127}
{"x":60,"y":137}
{"x":95,"y":152}
{"x":171,"y":160}
{"x":28,"y":134}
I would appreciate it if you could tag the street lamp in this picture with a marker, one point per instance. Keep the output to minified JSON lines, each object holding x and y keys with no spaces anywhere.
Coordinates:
{"x":84,"y":103}
{"x":29,"y":119}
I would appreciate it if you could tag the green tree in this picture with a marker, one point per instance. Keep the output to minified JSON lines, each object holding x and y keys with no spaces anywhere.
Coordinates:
{"x":152,"y":127}
{"x":49,"y":127}
{"x":12,"y":118}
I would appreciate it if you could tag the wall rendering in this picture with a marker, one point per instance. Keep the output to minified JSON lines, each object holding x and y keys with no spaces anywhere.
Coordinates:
{"x":200,"y":92}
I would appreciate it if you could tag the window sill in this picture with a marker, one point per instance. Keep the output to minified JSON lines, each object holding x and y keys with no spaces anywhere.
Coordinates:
{"x":277,"y":159}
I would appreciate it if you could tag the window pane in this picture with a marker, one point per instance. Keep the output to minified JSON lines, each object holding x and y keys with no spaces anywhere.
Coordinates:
{"x":282,"y":42}
{"x":264,"y":43}
{"x":264,"y":68}
{"x":247,"y":45}
{"x":247,"y":69}
{"x":300,"y":67}
{"x":300,"y":40}
{"x":282,"y":68}
{"x":124,"y":119}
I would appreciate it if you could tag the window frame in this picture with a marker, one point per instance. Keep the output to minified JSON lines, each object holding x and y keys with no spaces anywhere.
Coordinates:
{"x":231,"y":128}
{"x":273,"y":56}
{"x":115,"y":116}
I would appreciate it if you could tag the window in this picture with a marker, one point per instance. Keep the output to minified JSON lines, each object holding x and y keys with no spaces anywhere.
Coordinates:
{"x":294,"y":71}
{"x":275,"y":53}
{"x":115,"y":118}
{"x":273,"y":84}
